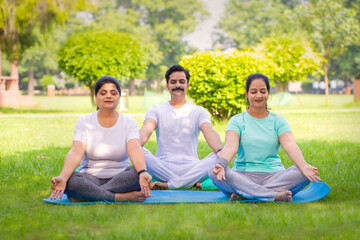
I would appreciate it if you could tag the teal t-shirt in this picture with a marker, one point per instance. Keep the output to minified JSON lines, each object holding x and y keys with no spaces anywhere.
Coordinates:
{"x":259,"y":142}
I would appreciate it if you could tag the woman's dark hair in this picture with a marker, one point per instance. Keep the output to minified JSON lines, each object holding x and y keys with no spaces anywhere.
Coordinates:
{"x":253,"y":77}
{"x":107,"y":79}
{"x":177,"y":68}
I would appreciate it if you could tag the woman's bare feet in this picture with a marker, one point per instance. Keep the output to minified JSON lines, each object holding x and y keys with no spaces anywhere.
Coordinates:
{"x":285,"y":196}
{"x":198,"y":185}
{"x":159,"y":185}
{"x":129,"y":197}
{"x":236,"y":197}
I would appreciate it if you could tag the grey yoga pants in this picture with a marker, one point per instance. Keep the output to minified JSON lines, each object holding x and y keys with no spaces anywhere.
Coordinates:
{"x":84,"y":186}
{"x":258,"y":185}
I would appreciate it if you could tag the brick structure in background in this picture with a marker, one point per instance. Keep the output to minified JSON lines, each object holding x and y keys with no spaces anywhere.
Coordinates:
{"x":356,"y":89}
{"x":10,"y":95}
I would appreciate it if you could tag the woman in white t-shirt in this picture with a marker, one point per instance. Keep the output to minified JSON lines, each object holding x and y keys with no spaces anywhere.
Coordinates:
{"x":104,"y":143}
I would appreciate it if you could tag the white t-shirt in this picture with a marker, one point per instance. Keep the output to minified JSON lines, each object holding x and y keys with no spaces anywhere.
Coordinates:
{"x":177,"y":130}
{"x":106,"y":152}
{"x":333,"y":84}
{"x":315,"y":85}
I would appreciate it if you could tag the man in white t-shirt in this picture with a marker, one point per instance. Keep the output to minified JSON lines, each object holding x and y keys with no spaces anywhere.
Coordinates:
{"x":333,"y":86}
{"x":177,"y":124}
{"x":315,"y":87}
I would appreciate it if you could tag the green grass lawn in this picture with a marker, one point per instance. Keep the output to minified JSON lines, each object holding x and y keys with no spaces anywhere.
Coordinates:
{"x":311,"y":101}
{"x":32,"y":151}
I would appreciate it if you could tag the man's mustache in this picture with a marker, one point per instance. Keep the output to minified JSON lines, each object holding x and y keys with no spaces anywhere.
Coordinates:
{"x":181,"y":89}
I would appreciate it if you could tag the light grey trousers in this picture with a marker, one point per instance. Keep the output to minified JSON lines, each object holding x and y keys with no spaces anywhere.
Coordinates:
{"x":87,"y":187}
{"x":179,"y":171}
{"x":259,"y":185}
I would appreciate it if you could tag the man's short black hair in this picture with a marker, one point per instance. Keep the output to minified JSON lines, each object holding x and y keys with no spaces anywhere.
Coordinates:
{"x":177,"y":68}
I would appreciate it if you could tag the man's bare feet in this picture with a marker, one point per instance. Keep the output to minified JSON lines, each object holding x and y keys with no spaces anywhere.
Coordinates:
{"x":159,"y":185}
{"x":236,"y":197}
{"x":285,"y":196}
{"x":129,"y":197}
{"x":198,"y":185}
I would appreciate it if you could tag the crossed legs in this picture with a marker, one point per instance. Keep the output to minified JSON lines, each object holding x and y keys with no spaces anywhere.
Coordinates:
{"x":122,"y":187}
{"x":179,"y":171}
{"x":277,"y":186}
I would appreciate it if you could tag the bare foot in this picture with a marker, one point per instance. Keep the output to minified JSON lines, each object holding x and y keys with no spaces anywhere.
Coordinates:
{"x":236,"y":197}
{"x":285,"y":196}
{"x":198,"y":185}
{"x":129,"y":197}
{"x":159,"y":185}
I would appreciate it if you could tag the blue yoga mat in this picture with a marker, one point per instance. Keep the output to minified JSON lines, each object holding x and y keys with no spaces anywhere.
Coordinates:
{"x":314,"y":192}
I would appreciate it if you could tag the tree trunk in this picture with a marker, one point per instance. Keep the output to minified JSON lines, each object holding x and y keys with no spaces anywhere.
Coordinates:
{"x":92,"y":95}
{"x":2,"y":82}
{"x":325,"y":65}
{"x":281,"y":86}
{"x":132,"y":87}
{"x":0,"y":60}
{"x":14,"y":84}
{"x":31,"y":82}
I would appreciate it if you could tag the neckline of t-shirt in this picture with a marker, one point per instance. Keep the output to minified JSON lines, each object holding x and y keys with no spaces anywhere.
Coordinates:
{"x":97,"y":121}
{"x":177,"y":109}
{"x":259,"y":119}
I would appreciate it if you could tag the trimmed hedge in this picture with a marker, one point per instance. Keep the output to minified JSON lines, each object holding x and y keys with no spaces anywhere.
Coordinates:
{"x":218,"y":79}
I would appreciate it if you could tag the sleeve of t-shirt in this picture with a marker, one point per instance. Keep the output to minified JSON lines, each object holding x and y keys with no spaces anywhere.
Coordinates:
{"x":204,"y":116}
{"x":234,"y":124}
{"x":133,"y":130}
{"x":282,"y":126}
{"x":151,"y":113}
{"x":80,"y":132}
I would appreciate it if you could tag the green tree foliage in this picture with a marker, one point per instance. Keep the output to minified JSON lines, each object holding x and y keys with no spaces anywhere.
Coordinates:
{"x":128,"y":22}
{"x":168,"y":22}
{"x":246,"y":21}
{"x":41,"y":58}
{"x":347,"y":65}
{"x":89,"y":55}
{"x":19,"y":18}
{"x":46,"y":80}
{"x":218,"y":79}
{"x":293,"y":55}
{"x":331,"y":27}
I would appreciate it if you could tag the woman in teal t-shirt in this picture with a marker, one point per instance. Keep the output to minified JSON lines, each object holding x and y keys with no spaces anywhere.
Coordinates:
{"x":256,"y":136}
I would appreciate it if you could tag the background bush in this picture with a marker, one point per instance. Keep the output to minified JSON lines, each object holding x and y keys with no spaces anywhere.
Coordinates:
{"x":218,"y":79}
